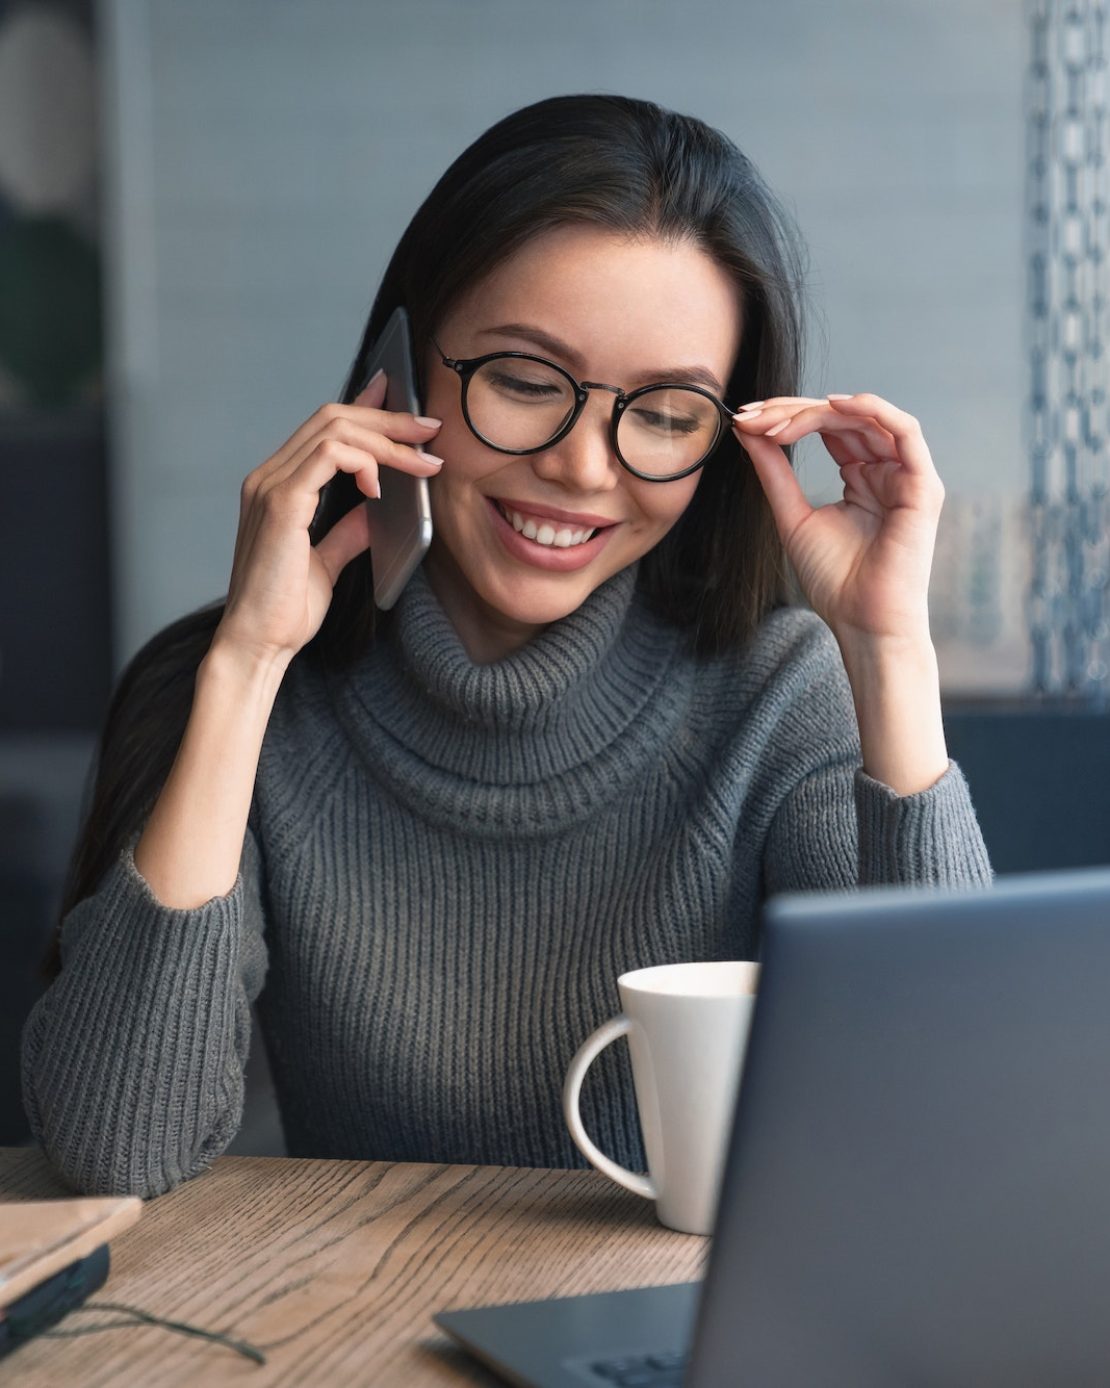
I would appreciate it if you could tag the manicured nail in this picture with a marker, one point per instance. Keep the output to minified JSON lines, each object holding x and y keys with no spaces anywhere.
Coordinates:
{"x":380,"y":372}
{"x":427,"y":420}
{"x":770,"y":434}
{"x":429,"y":457}
{"x":752,"y":405}
{"x":747,"y":414}
{"x":376,"y":489}
{"x":838,"y":397}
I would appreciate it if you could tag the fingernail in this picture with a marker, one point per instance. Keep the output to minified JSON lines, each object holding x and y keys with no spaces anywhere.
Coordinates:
{"x":380,"y":372}
{"x":770,"y":434}
{"x":429,"y":457}
{"x":376,"y":490}
{"x":753,"y":404}
{"x":426,"y":419}
{"x":838,"y":397}
{"x":747,"y":413}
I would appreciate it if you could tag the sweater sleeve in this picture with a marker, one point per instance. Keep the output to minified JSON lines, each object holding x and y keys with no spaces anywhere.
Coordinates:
{"x":133,"y":1059}
{"x":835,"y":826}
{"x":840,"y":828}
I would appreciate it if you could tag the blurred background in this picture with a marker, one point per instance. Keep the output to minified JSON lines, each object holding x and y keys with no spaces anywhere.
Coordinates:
{"x":197,"y":201}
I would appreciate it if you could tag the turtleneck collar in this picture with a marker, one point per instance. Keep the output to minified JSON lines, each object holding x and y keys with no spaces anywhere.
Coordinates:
{"x":545,"y":733}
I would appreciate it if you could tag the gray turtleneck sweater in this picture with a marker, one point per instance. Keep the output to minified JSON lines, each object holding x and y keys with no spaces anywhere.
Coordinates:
{"x":446,"y":868}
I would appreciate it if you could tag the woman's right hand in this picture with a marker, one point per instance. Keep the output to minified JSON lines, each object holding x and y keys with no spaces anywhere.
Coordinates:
{"x":281,"y":585}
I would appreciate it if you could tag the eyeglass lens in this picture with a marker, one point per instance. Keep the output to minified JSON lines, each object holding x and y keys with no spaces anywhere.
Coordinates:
{"x":515,"y":403}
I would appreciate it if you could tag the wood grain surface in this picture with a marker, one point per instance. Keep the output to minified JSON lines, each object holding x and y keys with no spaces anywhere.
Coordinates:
{"x":41,"y":1237}
{"x":333,"y":1269}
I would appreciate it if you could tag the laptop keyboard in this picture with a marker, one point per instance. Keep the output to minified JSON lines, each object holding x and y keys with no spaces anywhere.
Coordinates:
{"x":642,"y":1371}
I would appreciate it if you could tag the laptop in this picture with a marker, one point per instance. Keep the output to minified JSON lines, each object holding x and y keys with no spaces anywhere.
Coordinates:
{"x":917,"y":1190}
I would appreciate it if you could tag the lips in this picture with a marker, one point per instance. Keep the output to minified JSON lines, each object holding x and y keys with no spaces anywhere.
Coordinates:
{"x":556,"y":558}
{"x":578,"y":520}
{"x":546,"y":532}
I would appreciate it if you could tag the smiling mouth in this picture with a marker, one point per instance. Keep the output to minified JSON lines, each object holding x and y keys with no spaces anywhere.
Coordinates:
{"x":546,"y":532}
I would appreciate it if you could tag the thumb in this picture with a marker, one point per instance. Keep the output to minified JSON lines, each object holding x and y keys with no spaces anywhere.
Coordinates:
{"x":779,"y":482}
{"x":348,"y":537}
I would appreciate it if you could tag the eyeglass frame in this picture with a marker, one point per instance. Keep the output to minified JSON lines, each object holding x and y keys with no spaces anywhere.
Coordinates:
{"x":465,"y":367}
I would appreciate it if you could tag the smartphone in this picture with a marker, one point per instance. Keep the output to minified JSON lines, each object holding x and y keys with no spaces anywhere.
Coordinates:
{"x":401,"y":518}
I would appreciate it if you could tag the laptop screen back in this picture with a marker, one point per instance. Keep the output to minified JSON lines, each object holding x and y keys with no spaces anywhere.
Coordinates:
{"x":918,"y":1189}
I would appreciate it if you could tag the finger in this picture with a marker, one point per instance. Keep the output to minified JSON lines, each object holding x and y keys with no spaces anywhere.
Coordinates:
{"x":843,"y":450}
{"x":287,"y":509}
{"x":295,"y":501}
{"x":857,"y":474}
{"x":875,"y":446}
{"x":868,"y":445}
{"x":381,"y":450}
{"x":296,"y":498}
{"x":348,"y":537}
{"x":813,"y":418}
{"x":372,"y":398}
{"x":857,"y":489}
{"x":398,"y":424}
{"x":775,"y":400}
{"x":782,"y":404}
{"x":820,"y":419}
{"x":913,"y":452}
{"x":783,"y":490}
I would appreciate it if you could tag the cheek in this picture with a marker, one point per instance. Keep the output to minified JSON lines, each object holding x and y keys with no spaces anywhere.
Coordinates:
{"x":461,"y":452}
{"x":662,"y":504}
{"x":453,"y":441}
{"x":441,"y":398}
{"x":465,"y":459}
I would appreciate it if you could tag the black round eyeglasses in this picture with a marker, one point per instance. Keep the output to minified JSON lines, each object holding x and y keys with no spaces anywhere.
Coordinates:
{"x":519,"y":403}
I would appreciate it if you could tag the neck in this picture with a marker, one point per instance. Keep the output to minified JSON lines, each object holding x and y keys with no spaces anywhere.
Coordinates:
{"x":486,"y":634}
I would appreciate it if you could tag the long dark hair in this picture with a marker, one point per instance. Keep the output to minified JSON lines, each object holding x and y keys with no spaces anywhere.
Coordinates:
{"x":610,"y":161}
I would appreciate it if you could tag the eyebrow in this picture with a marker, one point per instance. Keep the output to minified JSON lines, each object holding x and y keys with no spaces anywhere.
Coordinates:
{"x":697,"y":375}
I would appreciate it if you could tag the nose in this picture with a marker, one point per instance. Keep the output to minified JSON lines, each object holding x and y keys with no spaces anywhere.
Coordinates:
{"x":583,"y":460}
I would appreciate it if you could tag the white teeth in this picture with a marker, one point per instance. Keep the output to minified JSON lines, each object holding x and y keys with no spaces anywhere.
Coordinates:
{"x":545,"y":533}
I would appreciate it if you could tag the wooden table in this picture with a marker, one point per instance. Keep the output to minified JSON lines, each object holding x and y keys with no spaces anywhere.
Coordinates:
{"x":334,"y":1268}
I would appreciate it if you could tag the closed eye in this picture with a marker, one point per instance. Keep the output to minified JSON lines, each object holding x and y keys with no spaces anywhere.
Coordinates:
{"x":533,"y":389}
{"x":672,"y":424}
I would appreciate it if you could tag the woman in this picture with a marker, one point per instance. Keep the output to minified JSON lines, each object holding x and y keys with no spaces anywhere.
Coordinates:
{"x":589,"y":738}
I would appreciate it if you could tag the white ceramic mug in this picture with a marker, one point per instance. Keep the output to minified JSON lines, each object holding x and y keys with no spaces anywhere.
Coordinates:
{"x":687,"y":1028}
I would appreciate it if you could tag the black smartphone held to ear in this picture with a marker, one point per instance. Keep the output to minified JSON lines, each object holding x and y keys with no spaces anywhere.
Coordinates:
{"x":401,"y":518}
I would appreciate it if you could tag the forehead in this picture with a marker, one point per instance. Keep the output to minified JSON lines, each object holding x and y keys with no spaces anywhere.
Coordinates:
{"x":622,"y":303}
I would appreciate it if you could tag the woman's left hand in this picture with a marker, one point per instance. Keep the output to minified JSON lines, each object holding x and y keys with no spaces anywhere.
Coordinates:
{"x":863,"y":562}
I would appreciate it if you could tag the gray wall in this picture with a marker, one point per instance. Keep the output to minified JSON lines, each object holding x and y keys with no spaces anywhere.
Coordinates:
{"x":263,"y":157}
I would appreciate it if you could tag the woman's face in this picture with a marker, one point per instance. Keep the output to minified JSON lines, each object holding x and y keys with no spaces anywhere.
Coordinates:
{"x":626,"y":312}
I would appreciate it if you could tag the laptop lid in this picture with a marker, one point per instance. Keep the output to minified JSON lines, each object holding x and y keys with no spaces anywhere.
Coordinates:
{"x":918,"y":1185}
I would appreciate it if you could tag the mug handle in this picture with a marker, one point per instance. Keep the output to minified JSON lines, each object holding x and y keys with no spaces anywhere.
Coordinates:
{"x":594,"y":1044}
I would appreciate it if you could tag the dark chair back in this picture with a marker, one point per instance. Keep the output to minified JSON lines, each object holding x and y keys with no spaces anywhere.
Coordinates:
{"x":1040,"y":781}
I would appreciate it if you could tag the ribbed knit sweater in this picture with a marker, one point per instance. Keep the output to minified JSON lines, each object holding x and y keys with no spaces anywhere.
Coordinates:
{"x":447,"y":867}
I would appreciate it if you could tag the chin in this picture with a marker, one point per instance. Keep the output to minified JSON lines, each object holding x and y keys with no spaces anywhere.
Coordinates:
{"x":540,"y":602}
